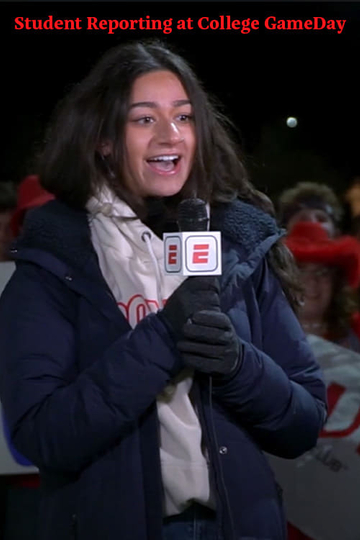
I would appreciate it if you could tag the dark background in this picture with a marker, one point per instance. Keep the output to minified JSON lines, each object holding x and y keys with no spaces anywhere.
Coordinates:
{"x":261,"y":78}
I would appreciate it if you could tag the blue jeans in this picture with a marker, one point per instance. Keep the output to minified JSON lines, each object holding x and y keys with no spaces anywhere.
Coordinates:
{"x":195,"y":523}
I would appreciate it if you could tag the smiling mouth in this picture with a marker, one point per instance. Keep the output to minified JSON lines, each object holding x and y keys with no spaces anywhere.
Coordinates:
{"x":164,"y":163}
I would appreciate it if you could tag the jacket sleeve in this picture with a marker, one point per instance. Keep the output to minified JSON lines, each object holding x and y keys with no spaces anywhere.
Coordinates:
{"x":278,"y":392}
{"x":60,"y":419}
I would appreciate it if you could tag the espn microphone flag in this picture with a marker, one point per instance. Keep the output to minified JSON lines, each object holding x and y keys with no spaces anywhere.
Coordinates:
{"x":194,"y":251}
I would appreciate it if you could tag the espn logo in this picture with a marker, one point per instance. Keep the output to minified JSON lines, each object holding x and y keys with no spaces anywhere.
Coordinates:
{"x":189,"y":253}
{"x":173,"y":255}
{"x":201,"y":254}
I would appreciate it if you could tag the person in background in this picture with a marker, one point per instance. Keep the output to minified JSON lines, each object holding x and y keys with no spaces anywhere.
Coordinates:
{"x":310,"y":201}
{"x":7,"y":206}
{"x":147,"y":400}
{"x":30,"y":194}
{"x":329,"y":274}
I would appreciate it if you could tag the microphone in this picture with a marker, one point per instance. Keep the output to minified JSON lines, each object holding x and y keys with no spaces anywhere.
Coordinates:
{"x":194,"y":250}
{"x":192,"y":215}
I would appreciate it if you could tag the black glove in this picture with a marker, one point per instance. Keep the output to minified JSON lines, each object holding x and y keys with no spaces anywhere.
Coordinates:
{"x":211,"y":344}
{"x":194,"y":294}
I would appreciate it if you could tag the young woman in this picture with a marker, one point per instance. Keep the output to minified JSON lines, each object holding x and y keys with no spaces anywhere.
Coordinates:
{"x":146,"y":400}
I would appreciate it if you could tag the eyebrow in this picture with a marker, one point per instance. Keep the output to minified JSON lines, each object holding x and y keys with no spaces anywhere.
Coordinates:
{"x":153,"y":104}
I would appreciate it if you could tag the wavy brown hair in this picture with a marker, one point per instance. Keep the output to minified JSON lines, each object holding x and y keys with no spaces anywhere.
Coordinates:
{"x":72,"y":167}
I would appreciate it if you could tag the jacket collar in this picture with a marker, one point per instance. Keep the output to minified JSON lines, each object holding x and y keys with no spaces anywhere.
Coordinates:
{"x":58,"y":238}
{"x":57,"y":232}
{"x":57,"y":229}
{"x":248,"y":235}
{"x":245,"y":224}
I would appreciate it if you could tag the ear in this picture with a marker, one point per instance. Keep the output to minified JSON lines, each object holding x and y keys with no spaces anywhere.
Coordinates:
{"x":105,"y":148}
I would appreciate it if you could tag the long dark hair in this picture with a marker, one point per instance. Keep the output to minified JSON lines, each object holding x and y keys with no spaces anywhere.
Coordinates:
{"x":72,"y":166}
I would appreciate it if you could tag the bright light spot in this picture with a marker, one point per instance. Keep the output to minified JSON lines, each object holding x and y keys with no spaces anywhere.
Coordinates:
{"x":291,"y":122}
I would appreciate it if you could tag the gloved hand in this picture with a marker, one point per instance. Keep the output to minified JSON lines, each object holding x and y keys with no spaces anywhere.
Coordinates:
{"x":211,"y":344}
{"x":194,"y":294}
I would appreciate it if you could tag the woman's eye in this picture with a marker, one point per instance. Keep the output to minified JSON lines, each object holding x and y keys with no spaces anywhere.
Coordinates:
{"x":143,"y":120}
{"x":185,"y":117}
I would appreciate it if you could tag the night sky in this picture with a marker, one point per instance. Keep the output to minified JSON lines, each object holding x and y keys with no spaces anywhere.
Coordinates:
{"x":261,"y":78}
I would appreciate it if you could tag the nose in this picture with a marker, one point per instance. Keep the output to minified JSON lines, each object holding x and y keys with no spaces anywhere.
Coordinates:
{"x":311,"y":285}
{"x":168,"y":133}
{"x":310,"y":218}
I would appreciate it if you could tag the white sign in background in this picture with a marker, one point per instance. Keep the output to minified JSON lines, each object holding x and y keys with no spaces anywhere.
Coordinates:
{"x":322,"y":487}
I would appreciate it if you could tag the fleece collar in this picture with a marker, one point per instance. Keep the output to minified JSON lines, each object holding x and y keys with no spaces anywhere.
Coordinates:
{"x":251,"y":231}
{"x":244,"y":224}
{"x":64,"y":232}
{"x":57,"y":229}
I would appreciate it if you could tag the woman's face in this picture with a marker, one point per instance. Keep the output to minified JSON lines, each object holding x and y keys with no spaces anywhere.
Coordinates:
{"x":159,"y":136}
{"x":317,"y":281}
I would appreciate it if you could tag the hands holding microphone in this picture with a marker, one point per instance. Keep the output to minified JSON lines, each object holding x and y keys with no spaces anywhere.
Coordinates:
{"x":204,"y":335}
{"x":210,"y":344}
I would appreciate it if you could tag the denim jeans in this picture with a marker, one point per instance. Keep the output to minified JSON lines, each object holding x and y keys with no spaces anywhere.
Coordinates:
{"x":195,"y":523}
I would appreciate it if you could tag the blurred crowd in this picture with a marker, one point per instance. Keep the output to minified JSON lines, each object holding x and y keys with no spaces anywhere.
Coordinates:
{"x":321,"y":489}
{"x":15,"y":202}
{"x":328,"y":263}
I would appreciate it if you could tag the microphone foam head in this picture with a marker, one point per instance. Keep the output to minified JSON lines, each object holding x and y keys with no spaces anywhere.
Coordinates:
{"x":192,"y":215}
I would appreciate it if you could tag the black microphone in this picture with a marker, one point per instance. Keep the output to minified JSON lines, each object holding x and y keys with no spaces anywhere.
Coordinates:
{"x":194,"y":251}
{"x":192,"y":215}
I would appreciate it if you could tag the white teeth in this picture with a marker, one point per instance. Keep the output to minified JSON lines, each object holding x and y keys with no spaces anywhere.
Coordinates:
{"x":163,"y":158}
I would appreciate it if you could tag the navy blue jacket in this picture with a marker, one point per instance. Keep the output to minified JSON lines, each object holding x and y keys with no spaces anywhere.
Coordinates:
{"x":78,"y":385}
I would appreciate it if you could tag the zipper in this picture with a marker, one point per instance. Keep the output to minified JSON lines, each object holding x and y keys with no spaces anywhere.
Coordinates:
{"x":212,"y":446}
{"x":209,"y":431}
